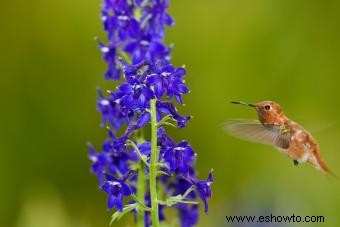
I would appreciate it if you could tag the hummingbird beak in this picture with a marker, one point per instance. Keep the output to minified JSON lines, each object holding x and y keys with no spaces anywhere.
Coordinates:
{"x":243,"y":103}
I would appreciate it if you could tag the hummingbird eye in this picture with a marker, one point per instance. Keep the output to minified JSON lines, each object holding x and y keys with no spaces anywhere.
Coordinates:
{"x":267,"y":107}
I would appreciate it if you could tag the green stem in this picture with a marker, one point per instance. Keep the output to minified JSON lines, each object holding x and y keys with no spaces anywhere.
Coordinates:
{"x":153,"y":165}
{"x":140,"y":194}
{"x":141,"y":180}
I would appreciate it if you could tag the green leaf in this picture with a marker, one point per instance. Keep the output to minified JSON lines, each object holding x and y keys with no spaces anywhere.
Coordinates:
{"x":167,"y":124}
{"x":162,"y":164}
{"x":159,"y":172}
{"x":118,"y":215}
{"x":124,"y":56}
{"x":173,"y":200}
{"x":165,"y":121}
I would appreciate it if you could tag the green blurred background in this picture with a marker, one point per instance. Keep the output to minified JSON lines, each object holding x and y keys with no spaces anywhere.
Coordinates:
{"x":252,"y":50}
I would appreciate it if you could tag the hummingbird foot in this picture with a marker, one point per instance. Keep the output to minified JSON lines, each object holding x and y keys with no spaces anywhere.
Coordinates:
{"x":296,"y":162}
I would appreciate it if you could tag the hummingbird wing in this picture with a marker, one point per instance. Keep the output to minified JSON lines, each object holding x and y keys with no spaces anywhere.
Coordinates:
{"x":255,"y":131}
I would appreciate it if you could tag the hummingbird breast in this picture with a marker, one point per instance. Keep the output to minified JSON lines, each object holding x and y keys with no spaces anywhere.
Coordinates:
{"x":272,"y":118}
{"x":302,"y":144}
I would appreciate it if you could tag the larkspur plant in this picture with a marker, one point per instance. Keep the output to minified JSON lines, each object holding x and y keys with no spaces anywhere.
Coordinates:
{"x":147,"y":175}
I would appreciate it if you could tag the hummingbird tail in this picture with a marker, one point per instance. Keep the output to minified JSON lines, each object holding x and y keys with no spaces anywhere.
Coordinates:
{"x":324,"y":168}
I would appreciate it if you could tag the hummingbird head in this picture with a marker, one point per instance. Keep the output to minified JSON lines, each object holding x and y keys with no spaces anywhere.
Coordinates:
{"x":268,"y":112}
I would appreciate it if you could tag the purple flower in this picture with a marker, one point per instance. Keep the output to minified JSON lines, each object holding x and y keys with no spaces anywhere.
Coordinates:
{"x":179,"y":157}
{"x":164,"y":139}
{"x":169,"y":80}
{"x":136,"y":72}
{"x":118,"y":20}
{"x":145,"y":48}
{"x":169,"y":108}
{"x":143,"y":119}
{"x":116,"y":190}
{"x":99,"y":162}
{"x":110,"y":110}
{"x":105,"y":162}
{"x":116,"y":146}
{"x":203,"y":188}
{"x":134,"y":96}
{"x":159,"y":18}
{"x":110,"y":56}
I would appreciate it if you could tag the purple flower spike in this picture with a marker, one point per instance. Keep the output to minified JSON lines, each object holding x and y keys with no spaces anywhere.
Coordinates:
{"x":148,"y":86}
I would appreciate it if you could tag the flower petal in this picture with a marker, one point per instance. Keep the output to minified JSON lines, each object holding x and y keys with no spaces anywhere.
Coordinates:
{"x":143,"y":119}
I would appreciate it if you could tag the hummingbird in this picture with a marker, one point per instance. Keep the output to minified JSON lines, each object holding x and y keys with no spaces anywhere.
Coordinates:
{"x":274,"y":128}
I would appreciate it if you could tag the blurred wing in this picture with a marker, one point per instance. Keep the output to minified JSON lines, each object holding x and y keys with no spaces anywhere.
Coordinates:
{"x":257,"y":132}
